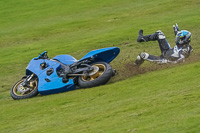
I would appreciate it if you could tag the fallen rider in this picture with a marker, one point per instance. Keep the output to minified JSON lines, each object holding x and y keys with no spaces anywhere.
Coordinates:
{"x":178,"y":53}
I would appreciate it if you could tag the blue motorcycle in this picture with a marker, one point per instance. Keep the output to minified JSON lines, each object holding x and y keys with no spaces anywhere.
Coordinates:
{"x":65,"y":73}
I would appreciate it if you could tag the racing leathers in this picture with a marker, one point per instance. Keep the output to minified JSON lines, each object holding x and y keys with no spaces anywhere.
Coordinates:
{"x":168,"y":55}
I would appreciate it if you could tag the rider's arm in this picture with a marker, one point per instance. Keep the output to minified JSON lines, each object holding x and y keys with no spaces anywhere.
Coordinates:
{"x":184,"y":53}
{"x":176,"y":28}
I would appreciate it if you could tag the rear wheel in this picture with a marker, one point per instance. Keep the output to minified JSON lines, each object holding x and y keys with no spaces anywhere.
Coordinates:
{"x":18,"y":91}
{"x":100,"y":75}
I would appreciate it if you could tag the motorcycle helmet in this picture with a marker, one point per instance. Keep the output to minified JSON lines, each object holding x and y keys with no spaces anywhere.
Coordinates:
{"x":183,"y":37}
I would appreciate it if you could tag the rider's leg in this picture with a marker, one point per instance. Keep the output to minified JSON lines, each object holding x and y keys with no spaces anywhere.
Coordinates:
{"x":159,"y":36}
{"x":164,"y":45}
{"x":145,"y":56}
{"x":146,"y":38}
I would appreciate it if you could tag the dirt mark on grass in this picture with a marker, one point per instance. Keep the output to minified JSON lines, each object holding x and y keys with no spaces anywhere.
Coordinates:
{"x":131,"y":70}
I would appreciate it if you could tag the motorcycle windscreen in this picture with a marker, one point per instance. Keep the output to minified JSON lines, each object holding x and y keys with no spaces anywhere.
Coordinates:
{"x":104,"y":54}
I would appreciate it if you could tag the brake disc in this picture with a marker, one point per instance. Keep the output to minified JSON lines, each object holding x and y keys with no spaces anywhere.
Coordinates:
{"x":95,"y":70}
{"x":22,"y":89}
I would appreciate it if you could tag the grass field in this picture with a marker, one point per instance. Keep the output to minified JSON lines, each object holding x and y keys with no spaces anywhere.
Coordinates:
{"x":154,"y":99}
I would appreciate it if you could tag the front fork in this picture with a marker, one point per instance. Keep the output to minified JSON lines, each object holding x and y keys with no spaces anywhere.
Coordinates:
{"x":26,"y":82}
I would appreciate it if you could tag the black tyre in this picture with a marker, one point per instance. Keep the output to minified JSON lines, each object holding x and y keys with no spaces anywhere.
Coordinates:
{"x":100,"y":75}
{"x":19,"y":92}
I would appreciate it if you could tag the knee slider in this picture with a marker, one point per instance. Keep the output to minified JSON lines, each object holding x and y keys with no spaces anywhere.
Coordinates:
{"x":160,"y":34}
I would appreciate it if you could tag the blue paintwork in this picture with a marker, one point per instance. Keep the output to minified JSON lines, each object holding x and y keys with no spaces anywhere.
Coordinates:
{"x":104,"y":54}
{"x":55,"y":84}
{"x":65,"y":59}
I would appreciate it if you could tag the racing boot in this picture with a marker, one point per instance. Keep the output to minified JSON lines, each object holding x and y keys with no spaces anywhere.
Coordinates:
{"x":146,"y":38}
{"x":140,"y":58}
{"x":152,"y":37}
{"x":140,"y":36}
{"x":138,"y":62}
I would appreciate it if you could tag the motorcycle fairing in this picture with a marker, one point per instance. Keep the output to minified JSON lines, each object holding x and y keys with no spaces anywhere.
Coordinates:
{"x":52,"y":83}
{"x":104,"y":54}
{"x":65,"y":59}
{"x":34,"y":66}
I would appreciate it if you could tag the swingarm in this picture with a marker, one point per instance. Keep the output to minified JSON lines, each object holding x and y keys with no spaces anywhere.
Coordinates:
{"x":75,"y":70}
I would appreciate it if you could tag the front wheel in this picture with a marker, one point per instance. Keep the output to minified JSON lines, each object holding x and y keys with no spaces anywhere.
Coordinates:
{"x":100,"y":75}
{"x":18,"y":91}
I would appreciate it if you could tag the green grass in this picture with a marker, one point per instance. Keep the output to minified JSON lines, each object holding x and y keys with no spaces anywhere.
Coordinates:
{"x":166,"y":100}
{"x":137,"y":104}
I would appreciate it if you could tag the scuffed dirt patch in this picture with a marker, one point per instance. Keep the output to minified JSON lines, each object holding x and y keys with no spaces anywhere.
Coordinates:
{"x":135,"y":70}
{"x":131,"y":70}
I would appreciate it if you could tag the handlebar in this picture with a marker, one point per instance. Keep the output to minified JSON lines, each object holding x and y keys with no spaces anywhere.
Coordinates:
{"x":42,"y":56}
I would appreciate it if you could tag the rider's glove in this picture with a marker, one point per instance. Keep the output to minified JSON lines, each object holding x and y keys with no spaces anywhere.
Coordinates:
{"x":176,"y":28}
